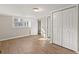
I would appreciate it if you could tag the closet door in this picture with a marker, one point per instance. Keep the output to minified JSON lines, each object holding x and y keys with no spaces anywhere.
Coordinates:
{"x":57,"y":28}
{"x":66,"y":28}
{"x":70,"y":28}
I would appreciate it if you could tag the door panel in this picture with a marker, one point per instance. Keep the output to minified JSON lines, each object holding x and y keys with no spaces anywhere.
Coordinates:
{"x":66,"y":28}
{"x":70,"y":28}
{"x":57,"y":28}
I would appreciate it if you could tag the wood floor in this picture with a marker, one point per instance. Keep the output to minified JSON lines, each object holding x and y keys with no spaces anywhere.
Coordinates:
{"x":31,"y":45}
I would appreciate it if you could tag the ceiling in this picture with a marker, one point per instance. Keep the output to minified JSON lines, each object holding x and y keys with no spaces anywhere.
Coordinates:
{"x":27,"y":9}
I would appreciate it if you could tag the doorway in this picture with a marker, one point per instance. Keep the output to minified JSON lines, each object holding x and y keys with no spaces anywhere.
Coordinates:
{"x":39,"y":27}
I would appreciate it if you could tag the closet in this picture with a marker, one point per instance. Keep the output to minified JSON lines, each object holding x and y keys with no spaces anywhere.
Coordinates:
{"x":65,"y":27}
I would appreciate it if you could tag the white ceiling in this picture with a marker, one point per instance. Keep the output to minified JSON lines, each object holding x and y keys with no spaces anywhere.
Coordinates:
{"x":27,"y":9}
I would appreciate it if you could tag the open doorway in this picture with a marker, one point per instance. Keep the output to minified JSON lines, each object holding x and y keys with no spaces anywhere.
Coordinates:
{"x":39,"y":27}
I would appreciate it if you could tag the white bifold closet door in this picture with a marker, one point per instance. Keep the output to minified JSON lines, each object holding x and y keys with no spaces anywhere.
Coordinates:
{"x":57,"y":28}
{"x":65,"y":28}
{"x":70,"y":28}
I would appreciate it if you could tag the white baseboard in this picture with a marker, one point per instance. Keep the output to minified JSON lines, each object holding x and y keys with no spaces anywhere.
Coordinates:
{"x":13,"y":37}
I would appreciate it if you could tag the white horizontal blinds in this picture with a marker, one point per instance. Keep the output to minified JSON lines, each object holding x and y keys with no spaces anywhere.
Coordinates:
{"x":57,"y":28}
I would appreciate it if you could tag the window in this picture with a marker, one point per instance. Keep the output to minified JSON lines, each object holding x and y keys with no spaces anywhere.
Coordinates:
{"x":21,"y":22}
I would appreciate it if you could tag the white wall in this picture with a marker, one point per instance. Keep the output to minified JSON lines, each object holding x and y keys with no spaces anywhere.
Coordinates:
{"x":34,"y":26}
{"x":8,"y":31}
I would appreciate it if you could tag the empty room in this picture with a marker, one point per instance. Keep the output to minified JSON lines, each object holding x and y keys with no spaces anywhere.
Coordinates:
{"x":39,"y":29}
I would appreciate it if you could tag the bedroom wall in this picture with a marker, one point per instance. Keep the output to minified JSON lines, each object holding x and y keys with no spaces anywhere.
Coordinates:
{"x":7,"y":30}
{"x":34,"y":26}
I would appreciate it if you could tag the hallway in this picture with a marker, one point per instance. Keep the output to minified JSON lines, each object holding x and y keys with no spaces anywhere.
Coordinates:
{"x":31,"y":45}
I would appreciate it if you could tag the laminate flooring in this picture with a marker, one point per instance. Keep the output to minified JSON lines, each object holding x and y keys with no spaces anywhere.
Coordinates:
{"x":31,"y":45}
